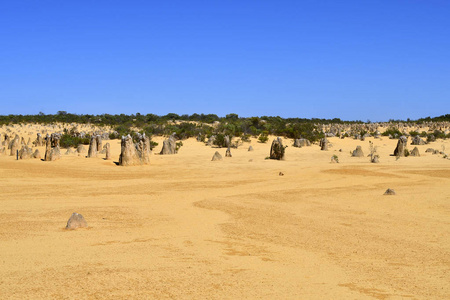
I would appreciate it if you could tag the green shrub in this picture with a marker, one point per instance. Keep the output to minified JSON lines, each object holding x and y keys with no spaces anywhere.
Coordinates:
{"x":220,"y":140}
{"x":178,"y":145}
{"x":123,"y":129}
{"x":263,"y":138}
{"x":153,"y":145}
{"x":392,"y":131}
{"x":245,"y":138}
{"x":431,"y":138}
{"x":439,"y":134}
{"x":73,"y":141}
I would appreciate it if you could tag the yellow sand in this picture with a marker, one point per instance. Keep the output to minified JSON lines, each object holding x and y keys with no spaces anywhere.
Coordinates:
{"x":185,"y":227}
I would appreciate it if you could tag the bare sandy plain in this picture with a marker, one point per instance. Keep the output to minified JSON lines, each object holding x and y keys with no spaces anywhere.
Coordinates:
{"x":185,"y":227}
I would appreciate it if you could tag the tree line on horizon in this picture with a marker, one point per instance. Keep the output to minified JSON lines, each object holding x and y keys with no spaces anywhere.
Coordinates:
{"x":197,"y":125}
{"x":117,"y":119}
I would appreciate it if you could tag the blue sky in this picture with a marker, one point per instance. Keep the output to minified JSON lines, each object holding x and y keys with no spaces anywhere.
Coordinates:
{"x":365,"y":60}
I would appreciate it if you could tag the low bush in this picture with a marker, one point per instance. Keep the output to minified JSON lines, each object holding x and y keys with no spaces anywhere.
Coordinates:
{"x":394,"y":132}
{"x":153,"y":145}
{"x":72,"y":141}
{"x":220,"y":140}
{"x":263,"y":138}
{"x":178,"y":145}
{"x":245,"y":138}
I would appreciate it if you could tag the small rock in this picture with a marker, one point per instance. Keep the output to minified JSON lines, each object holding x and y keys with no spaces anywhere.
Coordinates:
{"x":389,"y":192}
{"x":216,"y":156}
{"x":76,"y":221}
{"x":228,"y":152}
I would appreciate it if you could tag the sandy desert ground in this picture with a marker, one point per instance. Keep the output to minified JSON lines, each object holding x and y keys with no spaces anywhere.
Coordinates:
{"x":185,"y":227}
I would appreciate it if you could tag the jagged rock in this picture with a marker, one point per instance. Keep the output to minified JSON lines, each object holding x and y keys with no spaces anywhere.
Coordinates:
{"x":401,"y":146}
{"x":415,"y":152}
{"x":431,"y":150}
{"x":25,"y":152}
{"x":143,"y":149}
{"x":14,"y":145}
{"x":301,"y":143}
{"x":103,"y":151}
{"x":277,"y":149}
{"x":76,"y":221}
{"x":211,"y":140}
{"x":323,"y":144}
{"x":48,"y":147}
{"x":81,"y":149}
{"x":417,"y":141}
{"x":52,"y":151}
{"x":92,"y":147}
{"x":55,"y":138}
{"x":128,"y":155}
{"x":7,"y":141}
{"x":99,"y":142}
{"x":375,"y":159}
{"x":250,"y":148}
{"x":134,"y":154}
{"x":227,"y":141}
{"x":216,"y":156}
{"x":37,"y":154}
{"x":228,"y":152}
{"x":107,"y":151}
{"x":104,"y":136}
{"x":39,"y":140}
{"x":169,"y":146}
{"x":389,"y":192}
{"x":358,"y":152}
{"x":55,"y":154}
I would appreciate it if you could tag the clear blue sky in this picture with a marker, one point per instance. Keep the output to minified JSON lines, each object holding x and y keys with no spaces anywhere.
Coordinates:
{"x":356,"y":59}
